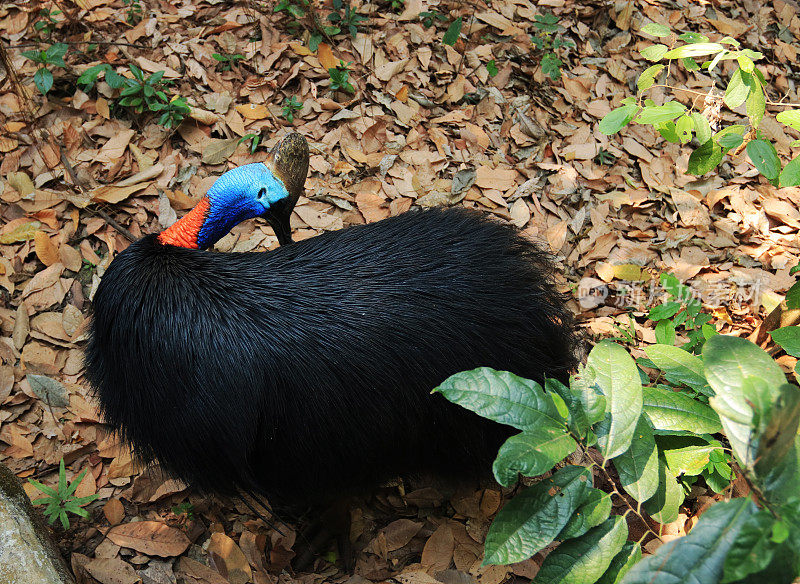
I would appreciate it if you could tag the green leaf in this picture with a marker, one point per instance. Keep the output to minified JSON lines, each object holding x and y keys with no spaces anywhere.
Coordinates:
{"x":790,"y":117}
{"x":664,"y":505}
{"x":137,"y":73}
{"x":728,"y":362}
{"x":699,"y":557}
{"x":705,"y":158}
{"x":687,"y":455}
{"x":676,"y":411}
{"x":694,"y":50}
{"x":502,"y":397}
{"x":532,"y":519}
{"x":622,"y":563}
{"x":683,"y":127}
{"x":617,"y":376}
{"x":657,"y":114}
{"x":788,"y":338}
{"x":595,"y":509}
{"x":43,"y":488}
{"x":737,"y":90}
{"x":532,"y":453}
{"x":793,"y":296}
{"x":647,"y":78}
{"x":453,"y":31}
{"x":780,"y":484}
{"x":679,"y":366}
{"x":790,"y":175}
{"x":577,"y":422}
{"x":662,"y":311}
{"x":43,"y":80}
{"x":756,"y":103}
{"x":551,"y":66}
{"x":693,"y":37}
{"x":617,"y":119}
{"x":702,"y":128}
{"x":665,"y":332}
{"x":583,"y":560}
{"x":491,"y":68}
{"x":777,"y":429}
{"x":765,"y":158}
{"x":753,"y":550}
{"x":656,"y":30}
{"x":654,"y":52}
{"x":638,"y":466}
{"x":55,"y":54}
{"x":592,"y":400}
{"x":730,"y":141}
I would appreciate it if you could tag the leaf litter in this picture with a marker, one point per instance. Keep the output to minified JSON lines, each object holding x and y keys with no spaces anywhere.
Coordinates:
{"x":427,"y":124}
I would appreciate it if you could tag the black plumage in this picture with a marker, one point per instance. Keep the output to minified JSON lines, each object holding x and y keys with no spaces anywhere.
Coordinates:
{"x":305,"y":372}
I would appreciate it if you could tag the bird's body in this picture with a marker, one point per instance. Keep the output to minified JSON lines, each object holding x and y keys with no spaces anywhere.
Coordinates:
{"x":305,"y":372}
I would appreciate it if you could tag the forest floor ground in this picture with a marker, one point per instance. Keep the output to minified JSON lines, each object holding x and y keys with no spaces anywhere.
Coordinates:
{"x":477,"y":124}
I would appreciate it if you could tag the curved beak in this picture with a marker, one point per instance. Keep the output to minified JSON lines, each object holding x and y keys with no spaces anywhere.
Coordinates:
{"x":288,"y":161}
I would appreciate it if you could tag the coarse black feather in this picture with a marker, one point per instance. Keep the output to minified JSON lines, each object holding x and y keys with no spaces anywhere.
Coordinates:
{"x":305,"y":372}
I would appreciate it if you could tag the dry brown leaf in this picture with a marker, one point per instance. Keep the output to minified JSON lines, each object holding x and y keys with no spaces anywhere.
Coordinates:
{"x":500,"y":179}
{"x":398,"y":533}
{"x":115,"y":148}
{"x":87,"y":487}
{"x":114,"y":194}
{"x":218,"y":151}
{"x":438,"y":551}
{"x":150,"y":537}
{"x":21,"y":229}
{"x":112,"y":571}
{"x":45,"y":250}
{"x":193,"y":572}
{"x":325,"y":56}
{"x":253,"y":111}
{"x":114,"y":511}
{"x":229,"y":559}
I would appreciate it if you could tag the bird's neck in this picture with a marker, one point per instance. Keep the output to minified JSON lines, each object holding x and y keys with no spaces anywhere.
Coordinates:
{"x":185,"y":232}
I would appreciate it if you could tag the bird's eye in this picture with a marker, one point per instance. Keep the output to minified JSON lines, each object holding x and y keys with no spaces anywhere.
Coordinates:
{"x":262,"y":193}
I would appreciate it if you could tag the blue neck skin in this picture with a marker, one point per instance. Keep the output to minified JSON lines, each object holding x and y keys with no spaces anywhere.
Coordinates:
{"x":238,"y":195}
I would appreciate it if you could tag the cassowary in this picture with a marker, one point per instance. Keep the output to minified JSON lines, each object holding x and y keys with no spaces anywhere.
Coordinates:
{"x":305,"y":372}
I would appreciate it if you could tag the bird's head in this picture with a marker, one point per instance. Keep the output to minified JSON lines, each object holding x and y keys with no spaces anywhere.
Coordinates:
{"x":268,"y":189}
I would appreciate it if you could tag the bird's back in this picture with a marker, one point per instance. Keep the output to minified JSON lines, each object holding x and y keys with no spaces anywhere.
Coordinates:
{"x":306,"y":371}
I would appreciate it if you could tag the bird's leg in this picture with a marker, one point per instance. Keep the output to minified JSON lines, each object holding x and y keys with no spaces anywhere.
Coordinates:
{"x":332,"y":523}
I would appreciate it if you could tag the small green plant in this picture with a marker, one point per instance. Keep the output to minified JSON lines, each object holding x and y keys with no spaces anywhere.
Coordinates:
{"x":491,"y":68}
{"x":88,"y":78}
{"x":185,"y":509}
{"x":139,"y":93}
{"x":46,"y":24}
{"x":292,"y":8}
{"x":339,"y":77}
{"x":290,"y":106}
{"x":604,"y":158}
{"x":62,"y":499}
{"x":679,"y":124}
{"x":173,"y":111}
{"x":134,"y":12}
{"x":255,"y":141}
{"x":681,"y":312}
{"x":226,"y":61}
{"x":626,"y":331}
{"x":349,"y":19}
{"x":52,"y":56}
{"x":549,"y":39}
{"x":398,"y":5}
{"x":430,"y":17}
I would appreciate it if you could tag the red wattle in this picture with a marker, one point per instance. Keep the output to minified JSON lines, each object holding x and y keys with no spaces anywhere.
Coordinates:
{"x":184,"y":232}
